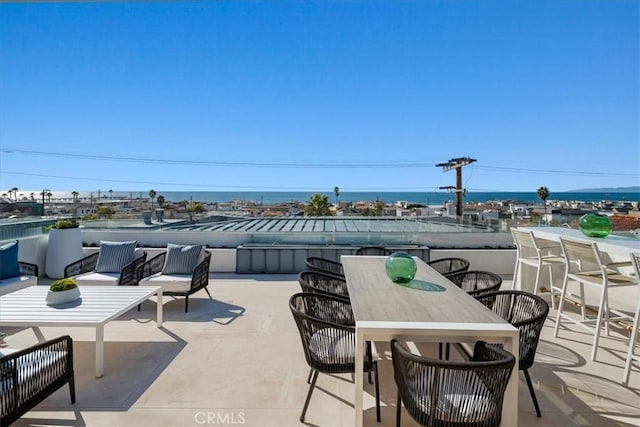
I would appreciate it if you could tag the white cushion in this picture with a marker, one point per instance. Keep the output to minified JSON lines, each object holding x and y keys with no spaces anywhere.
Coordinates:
{"x":16,"y":283}
{"x":28,"y":367}
{"x":169,"y":283}
{"x":113,"y":256}
{"x":94,"y":278}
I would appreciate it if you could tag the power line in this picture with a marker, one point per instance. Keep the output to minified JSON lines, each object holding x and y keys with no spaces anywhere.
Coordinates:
{"x":306,"y":165}
{"x":194,"y":184}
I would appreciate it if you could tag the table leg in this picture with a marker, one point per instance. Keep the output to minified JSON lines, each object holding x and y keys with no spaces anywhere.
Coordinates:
{"x":510,"y":404}
{"x":159,"y":308}
{"x":359,"y":375}
{"x":38,"y":333}
{"x":99,"y":351}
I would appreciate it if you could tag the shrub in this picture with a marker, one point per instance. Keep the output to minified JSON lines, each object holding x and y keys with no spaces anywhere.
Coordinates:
{"x":63,"y":285}
{"x":66,"y":223}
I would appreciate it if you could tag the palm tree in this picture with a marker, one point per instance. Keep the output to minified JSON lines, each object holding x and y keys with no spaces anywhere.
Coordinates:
{"x":49,"y":195}
{"x":543,"y":193}
{"x":75,"y":195}
{"x":111,"y":194}
{"x":318,"y":205}
{"x":160,"y":200}
{"x":336,"y":191}
{"x":43,"y":193}
{"x":152,"y":195}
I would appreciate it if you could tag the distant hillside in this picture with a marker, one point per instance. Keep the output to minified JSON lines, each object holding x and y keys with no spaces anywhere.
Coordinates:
{"x":634,"y":189}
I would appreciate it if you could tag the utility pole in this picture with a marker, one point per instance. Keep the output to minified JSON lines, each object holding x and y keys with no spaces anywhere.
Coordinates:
{"x":457,"y":164}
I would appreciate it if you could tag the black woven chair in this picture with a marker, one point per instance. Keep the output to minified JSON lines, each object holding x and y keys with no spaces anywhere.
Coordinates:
{"x":150,"y":274}
{"x":324,"y":283}
{"x":28,"y":269}
{"x":446,"y":266}
{"x":476,"y":283}
{"x":29,"y":376}
{"x":127,"y":276}
{"x":324,"y":265}
{"x":527,"y":312}
{"x":441,"y":393}
{"x":327,"y":332}
{"x":373,"y":250}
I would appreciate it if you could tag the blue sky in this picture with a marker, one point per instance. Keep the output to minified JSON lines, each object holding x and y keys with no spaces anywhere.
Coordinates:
{"x":277,"y":96}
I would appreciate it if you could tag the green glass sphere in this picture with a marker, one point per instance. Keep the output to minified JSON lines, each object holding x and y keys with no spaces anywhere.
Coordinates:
{"x":400,"y":267}
{"x":595,"y":225}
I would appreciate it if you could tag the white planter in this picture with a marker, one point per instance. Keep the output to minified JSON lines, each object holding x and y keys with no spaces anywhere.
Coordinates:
{"x":61,"y":297}
{"x":65,"y":246}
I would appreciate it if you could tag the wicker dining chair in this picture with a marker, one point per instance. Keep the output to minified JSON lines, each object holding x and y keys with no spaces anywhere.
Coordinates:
{"x":324,"y":265}
{"x":373,"y":250}
{"x":446,"y":266}
{"x":324,"y":283}
{"x":527,"y":312}
{"x":476,"y":283}
{"x":327,"y":332}
{"x":447,"y":393}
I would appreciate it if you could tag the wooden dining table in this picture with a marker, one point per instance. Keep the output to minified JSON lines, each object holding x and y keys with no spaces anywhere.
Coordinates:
{"x":430,"y":308}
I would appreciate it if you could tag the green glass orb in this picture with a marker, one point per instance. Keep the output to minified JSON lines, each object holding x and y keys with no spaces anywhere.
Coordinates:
{"x":595,"y":225}
{"x":400,"y":267}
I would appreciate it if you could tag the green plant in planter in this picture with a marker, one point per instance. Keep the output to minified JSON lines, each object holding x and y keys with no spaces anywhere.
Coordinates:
{"x":65,"y":223}
{"x":63,"y":285}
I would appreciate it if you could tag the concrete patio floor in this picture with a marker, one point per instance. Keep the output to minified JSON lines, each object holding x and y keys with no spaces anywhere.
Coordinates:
{"x":236,"y":359}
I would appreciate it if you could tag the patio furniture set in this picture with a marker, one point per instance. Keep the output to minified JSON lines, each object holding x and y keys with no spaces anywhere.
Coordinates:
{"x":602,"y":264}
{"x":108,"y":280}
{"x":181,"y":270}
{"x":352,"y":304}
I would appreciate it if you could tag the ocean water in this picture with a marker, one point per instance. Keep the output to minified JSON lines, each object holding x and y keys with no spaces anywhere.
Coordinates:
{"x":426,"y":198}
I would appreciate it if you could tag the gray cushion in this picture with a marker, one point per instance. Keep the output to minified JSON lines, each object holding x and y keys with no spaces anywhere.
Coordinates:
{"x":181,"y":259}
{"x":114,"y":256}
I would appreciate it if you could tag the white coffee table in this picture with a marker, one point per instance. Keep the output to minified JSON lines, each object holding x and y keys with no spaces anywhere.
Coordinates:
{"x":98,"y":306}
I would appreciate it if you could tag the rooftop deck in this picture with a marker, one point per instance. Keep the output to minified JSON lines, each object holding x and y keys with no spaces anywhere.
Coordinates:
{"x":237,"y":360}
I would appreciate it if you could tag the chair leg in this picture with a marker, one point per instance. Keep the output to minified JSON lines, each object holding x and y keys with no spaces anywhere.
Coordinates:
{"x":309,"y":376}
{"x":536,"y":284}
{"x":375,"y":367}
{"x":306,"y":403}
{"x":602,"y":308}
{"x":186,"y":304}
{"x":72,"y":389}
{"x":207,"y":290}
{"x":139,"y":307}
{"x":398,"y":408}
{"x":563,"y":295}
{"x":515,"y":276}
{"x":551,"y":287}
{"x":633,"y":337}
{"x":532,"y":392}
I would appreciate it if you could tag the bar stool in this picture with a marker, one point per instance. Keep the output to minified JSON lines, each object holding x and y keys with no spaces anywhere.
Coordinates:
{"x":539,"y":253}
{"x":581,"y":258}
{"x":633,"y":337}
